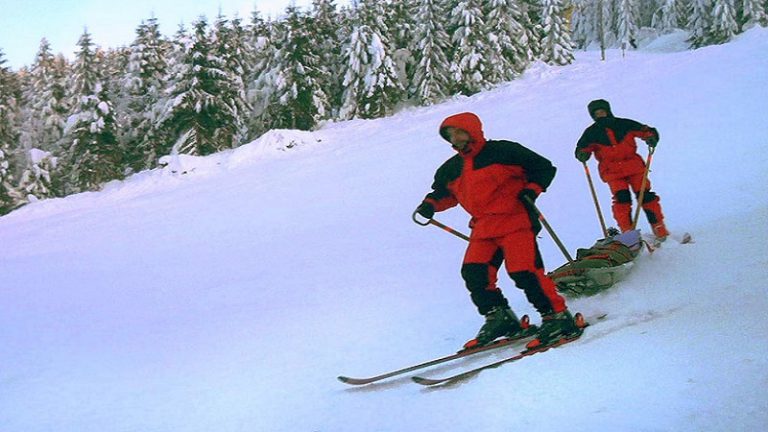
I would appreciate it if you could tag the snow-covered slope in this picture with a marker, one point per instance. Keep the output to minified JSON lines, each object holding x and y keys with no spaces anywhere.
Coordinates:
{"x":226,"y":293}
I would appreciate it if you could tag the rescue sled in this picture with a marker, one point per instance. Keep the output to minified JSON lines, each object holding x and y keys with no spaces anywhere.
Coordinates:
{"x":600,"y":266}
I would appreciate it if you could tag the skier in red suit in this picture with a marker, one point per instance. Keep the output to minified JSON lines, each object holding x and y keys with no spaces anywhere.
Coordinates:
{"x":612,"y":140}
{"x":492,"y":180}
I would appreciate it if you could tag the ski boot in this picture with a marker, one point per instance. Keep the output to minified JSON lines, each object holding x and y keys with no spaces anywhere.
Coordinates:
{"x":556,"y":327}
{"x":500,"y":321}
{"x":660,"y":231}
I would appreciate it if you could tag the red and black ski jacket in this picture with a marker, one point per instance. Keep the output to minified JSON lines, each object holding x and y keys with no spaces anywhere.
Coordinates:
{"x":612,"y":140}
{"x":487,"y":178}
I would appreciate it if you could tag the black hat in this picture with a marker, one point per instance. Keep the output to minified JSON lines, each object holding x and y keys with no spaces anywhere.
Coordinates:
{"x":597,"y":105}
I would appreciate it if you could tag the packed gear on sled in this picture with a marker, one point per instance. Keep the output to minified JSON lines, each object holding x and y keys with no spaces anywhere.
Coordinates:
{"x":600,"y":266}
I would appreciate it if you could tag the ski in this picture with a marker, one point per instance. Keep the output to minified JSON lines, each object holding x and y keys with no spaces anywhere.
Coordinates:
{"x":499,"y":343}
{"x":578,"y":318}
{"x":523,"y":354}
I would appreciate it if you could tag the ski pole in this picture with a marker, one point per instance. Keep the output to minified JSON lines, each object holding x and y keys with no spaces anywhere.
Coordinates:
{"x":550,"y":230}
{"x":641,"y":195}
{"x":460,"y":235}
{"x":594,"y":198}
{"x":439,"y":225}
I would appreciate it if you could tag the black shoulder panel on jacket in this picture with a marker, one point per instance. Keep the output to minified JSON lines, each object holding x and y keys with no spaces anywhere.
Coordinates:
{"x":449,"y":171}
{"x":595,"y":133}
{"x":538,"y":169}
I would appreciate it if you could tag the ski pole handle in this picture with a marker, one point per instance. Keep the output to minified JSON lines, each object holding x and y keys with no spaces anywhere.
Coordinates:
{"x":413,"y":216}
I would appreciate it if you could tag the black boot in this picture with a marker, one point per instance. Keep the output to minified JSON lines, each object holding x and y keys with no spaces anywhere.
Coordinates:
{"x":499,"y":321}
{"x":554,"y":327}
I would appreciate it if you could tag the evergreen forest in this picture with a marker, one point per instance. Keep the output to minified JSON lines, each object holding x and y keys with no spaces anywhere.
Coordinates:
{"x":70,"y":125}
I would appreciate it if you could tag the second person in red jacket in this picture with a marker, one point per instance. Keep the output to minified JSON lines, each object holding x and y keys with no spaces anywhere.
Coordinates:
{"x":491,"y":180}
{"x":612,"y":140}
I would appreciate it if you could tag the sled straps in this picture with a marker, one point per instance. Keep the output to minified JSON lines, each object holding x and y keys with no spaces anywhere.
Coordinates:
{"x":594,"y":198}
{"x":642,"y":186}
{"x":550,"y":230}
{"x":439,"y":225}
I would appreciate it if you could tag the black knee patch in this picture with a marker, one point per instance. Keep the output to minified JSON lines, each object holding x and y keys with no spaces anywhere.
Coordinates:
{"x":475,"y":276}
{"x":649,"y":196}
{"x":529,"y":283}
{"x":652,"y":219}
{"x":524,"y":279}
{"x":622,"y":197}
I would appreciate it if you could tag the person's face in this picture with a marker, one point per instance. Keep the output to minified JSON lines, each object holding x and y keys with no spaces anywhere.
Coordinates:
{"x":459,"y":138}
{"x":601,"y":113}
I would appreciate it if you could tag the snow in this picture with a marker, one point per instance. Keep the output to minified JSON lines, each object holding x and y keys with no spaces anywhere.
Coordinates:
{"x":228,"y":295}
{"x":36,"y":155}
{"x":103,"y":108}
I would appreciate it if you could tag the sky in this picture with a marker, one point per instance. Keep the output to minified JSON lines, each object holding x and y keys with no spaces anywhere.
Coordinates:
{"x":24,"y":23}
{"x":226,"y":293}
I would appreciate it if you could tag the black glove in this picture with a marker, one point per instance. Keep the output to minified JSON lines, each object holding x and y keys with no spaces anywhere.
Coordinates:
{"x":653,"y":139}
{"x":527,"y":193}
{"x":426,"y":209}
{"x":582,"y":156}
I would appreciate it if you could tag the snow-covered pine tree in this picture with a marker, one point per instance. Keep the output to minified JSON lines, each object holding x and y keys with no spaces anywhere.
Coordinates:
{"x":401,"y":26}
{"x":327,"y":29}
{"x":260,"y":84}
{"x":670,"y":16}
{"x":583,"y":23}
{"x":556,"y":44}
{"x":753,"y":12}
{"x":626,"y":24}
{"x":113,"y":63}
{"x":400,"y":22}
{"x":37,"y":180}
{"x":471,"y":48}
{"x":605,"y":20}
{"x":198,"y":120}
{"x":355,"y":54}
{"x":644,"y":11}
{"x":700,"y":23}
{"x":230,"y":46}
{"x":8,"y":137}
{"x":724,"y":26}
{"x":531,"y":20}
{"x":384,"y":89}
{"x":508,"y":39}
{"x":372,"y":87}
{"x":299,"y":101}
{"x":92,"y":153}
{"x":143,"y":87}
{"x":44,"y":112}
{"x":8,"y":193}
{"x":431,"y":81}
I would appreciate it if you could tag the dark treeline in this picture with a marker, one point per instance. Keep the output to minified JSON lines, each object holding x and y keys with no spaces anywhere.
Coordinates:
{"x":68,"y":126}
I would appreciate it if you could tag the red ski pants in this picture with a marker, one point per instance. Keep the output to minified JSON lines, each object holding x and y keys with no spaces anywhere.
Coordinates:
{"x":622,"y":201}
{"x":520,"y":254}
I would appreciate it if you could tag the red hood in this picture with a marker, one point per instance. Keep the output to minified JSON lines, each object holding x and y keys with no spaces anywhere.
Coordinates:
{"x":469,"y":122}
